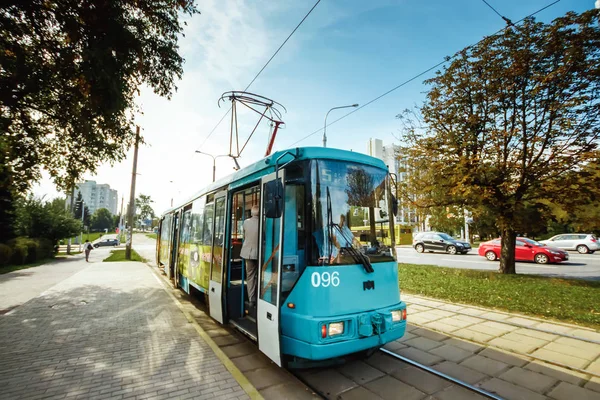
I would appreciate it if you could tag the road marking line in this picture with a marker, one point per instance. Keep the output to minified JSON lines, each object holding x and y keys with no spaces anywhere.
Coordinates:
{"x":462,"y":261}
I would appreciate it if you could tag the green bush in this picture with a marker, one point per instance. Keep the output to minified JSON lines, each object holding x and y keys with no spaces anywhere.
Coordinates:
{"x":45,"y":249}
{"x":19,"y":252}
{"x":5,"y":255}
{"x":26,"y":250}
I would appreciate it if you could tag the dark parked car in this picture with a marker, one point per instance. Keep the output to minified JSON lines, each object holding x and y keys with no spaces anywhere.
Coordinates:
{"x":439,"y":241}
{"x":525,"y":250}
{"x":107,"y":242}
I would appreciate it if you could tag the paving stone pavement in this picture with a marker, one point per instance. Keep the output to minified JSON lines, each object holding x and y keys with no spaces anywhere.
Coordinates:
{"x":513,"y":361}
{"x":108,"y":332}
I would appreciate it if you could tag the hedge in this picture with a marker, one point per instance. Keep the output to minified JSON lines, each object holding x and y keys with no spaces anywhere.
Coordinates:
{"x":23,"y":250}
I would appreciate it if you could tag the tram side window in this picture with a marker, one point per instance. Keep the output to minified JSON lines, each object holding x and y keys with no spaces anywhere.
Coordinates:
{"x":184,"y":243}
{"x":165,"y":240}
{"x":269,"y":264}
{"x":219,"y":239}
{"x":294,"y":238}
{"x":196,"y":264}
{"x":208,"y":225}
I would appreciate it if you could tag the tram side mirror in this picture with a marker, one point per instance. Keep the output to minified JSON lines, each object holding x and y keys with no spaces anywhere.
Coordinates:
{"x":394,"y":205}
{"x":274,"y":199}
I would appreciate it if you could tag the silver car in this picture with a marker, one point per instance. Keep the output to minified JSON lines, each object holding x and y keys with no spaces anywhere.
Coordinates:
{"x":582,"y":242}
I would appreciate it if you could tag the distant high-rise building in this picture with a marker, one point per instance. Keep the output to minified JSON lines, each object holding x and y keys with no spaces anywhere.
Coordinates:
{"x":397,"y":163}
{"x":97,"y":196}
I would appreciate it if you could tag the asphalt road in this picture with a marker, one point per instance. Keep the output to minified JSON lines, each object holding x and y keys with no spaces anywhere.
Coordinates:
{"x":581,"y":266}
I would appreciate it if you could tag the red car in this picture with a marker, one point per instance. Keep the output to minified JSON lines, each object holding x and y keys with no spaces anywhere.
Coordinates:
{"x":525,"y":250}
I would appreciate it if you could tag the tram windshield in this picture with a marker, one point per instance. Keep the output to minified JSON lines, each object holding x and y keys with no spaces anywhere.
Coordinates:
{"x":350,"y":214}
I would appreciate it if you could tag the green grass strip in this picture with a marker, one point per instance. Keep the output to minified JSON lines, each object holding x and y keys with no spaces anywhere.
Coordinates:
{"x":568,"y":300}
{"x":119,"y":255}
{"x":151,"y":235}
{"x":89,"y":236}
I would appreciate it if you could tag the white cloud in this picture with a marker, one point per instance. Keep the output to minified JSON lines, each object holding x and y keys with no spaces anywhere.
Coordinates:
{"x":597,"y":3}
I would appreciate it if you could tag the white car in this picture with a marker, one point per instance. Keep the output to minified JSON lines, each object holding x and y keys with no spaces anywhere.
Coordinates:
{"x":585,"y":243}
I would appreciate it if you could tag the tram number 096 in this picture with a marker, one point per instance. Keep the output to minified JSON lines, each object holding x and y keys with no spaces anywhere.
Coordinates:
{"x":325,"y":279}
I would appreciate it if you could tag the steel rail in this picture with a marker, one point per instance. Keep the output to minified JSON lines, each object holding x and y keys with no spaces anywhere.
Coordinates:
{"x":443,"y":375}
{"x":511,"y":323}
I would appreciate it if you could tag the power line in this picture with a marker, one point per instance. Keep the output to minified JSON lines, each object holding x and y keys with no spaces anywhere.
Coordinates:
{"x":418,"y":75}
{"x":215,"y":128}
{"x":263,"y":68}
{"x":282,"y":44}
{"x":508,"y":21}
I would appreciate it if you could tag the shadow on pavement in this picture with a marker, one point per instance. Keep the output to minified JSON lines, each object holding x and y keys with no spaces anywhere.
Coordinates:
{"x":92,"y":340}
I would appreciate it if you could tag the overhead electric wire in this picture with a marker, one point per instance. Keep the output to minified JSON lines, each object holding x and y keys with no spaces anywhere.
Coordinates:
{"x":264,"y":66}
{"x":215,"y":128}
{"x":508,"y":21}
{"x":282,"y":44}
{"x":418,"y":75}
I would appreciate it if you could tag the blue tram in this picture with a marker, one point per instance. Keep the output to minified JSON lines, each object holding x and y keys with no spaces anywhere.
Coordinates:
{"x":321,"y":292}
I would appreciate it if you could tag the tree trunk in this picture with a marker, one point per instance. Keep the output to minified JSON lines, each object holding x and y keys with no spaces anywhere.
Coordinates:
{"x":507,"y":251}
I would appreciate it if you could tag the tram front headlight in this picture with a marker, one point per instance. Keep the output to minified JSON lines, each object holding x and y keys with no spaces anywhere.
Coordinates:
{"x":398,"y":315}
{"x":335,"y":328}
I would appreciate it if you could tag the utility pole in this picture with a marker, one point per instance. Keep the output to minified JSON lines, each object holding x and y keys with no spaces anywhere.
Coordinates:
{"x":132,"y":195}
{"x":82,"y":222}
{"x":72,"y":213}
{"x":121,"y":217}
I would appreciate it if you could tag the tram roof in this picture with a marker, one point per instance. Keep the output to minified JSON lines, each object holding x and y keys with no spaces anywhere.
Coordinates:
{"x":254,"y":171}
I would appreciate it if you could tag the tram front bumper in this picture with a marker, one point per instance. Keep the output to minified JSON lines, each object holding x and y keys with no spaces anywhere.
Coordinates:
{"x":362,"y":335}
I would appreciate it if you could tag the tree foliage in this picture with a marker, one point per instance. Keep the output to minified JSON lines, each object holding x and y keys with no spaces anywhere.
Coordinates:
{"x":144,"y":209}
{"x":102,"y":219}
{"x":36,"y":218}
{"x":512,"y":122}
{"x":69,"y":74}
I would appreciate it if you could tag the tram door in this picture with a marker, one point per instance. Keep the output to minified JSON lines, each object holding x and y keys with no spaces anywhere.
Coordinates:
{"x":269,"y":278}
{"x":215,"y":286}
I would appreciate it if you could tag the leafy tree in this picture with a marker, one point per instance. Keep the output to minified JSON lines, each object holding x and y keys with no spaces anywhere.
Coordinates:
{"x":7,"y":204}
{"x":102,"y":219}
{"x":116,"y":220}
{"x":143,"y":208}
{"x":512,"y":121}
{"x":69,"y":74}
{"x":447,"y":219}
{"x":581,"y":214}
{"x":50,"y":220}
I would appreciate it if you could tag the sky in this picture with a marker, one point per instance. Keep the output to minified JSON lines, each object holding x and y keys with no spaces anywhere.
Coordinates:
{"x":345,"y":52}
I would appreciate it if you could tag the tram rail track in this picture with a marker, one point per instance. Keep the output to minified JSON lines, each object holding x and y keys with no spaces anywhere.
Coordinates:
{"x":442,"y":375}
{"x":323,"y":390}
{"x":510,"y":323}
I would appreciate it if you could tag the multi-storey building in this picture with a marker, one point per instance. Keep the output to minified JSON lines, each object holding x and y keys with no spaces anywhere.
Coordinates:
{"x":392,"y":156}
{"x":97,"y":196}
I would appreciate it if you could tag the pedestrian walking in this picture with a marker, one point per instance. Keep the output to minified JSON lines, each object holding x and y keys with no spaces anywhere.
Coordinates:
{"x":249,"y":252}
{"x":87,"y":247}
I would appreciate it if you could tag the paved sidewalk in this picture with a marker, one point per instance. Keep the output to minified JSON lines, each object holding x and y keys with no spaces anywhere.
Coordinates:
{"x":36,"y":280}
{"x":108,"y":332}
{"x":561,"y":361}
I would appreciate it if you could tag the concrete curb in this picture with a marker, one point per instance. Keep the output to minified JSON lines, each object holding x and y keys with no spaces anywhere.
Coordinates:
{"x":555,"y":322}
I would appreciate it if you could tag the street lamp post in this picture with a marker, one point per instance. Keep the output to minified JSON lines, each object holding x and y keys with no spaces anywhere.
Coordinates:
{"x":214,"y":160}
{"x":325,"y":124}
